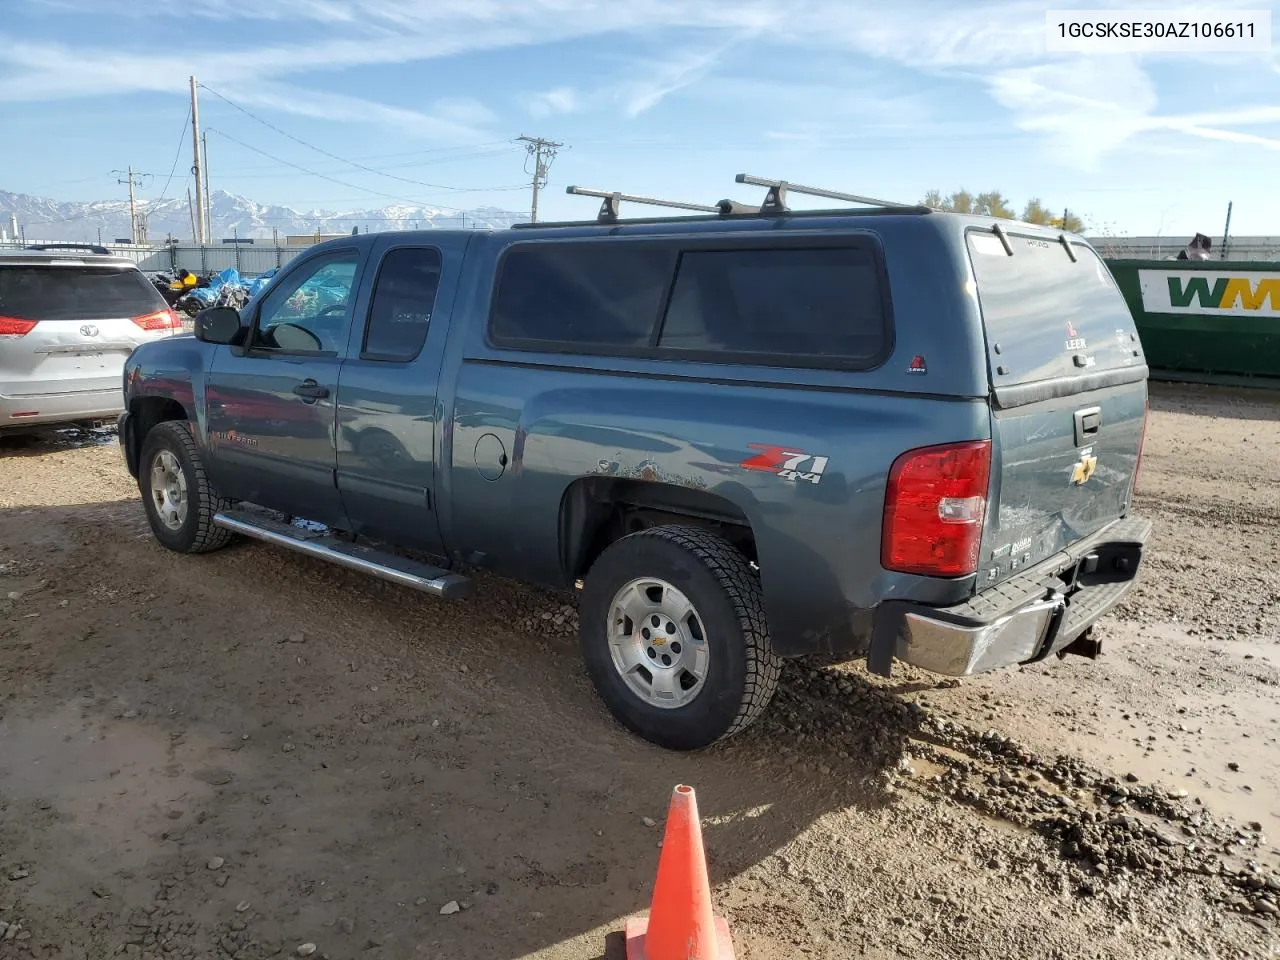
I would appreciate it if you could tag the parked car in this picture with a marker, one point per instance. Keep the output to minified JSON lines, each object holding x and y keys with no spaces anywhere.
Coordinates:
{"x":69,"y":318}
{"x":744,"y":437}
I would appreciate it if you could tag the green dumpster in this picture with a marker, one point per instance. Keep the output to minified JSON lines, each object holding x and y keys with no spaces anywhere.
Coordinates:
{"x":1205,"y":319}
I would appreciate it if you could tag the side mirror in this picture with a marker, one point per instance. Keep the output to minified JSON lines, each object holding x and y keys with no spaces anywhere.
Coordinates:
{"x":219,"y":325}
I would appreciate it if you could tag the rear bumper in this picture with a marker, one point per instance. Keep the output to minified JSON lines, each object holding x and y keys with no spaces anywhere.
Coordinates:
{"x":21,"y":413}
{"x":1024,"y":619}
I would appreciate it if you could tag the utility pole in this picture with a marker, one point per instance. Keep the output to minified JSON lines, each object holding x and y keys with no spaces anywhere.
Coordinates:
{"x":1226,"y":232}
{"x":137,"y":231}
{"x":208,"y":194}
{"x":191,"y":209}
{"x":195,"y":164}
{"x":542,"y":152}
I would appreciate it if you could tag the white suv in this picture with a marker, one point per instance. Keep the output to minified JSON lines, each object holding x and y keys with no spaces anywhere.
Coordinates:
{"x":69,"y":318}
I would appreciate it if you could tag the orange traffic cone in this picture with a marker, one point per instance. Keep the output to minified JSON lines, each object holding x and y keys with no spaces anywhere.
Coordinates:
{"x":681,"y":925}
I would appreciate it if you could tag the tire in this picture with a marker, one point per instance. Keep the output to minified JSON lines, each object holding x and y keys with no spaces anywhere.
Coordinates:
{"x":172,"y":442}
{"x":740,"y":672}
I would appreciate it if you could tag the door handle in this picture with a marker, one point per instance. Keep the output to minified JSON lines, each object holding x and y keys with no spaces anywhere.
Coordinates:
{"x":1087,"y":423}
{"x":311,"y":390}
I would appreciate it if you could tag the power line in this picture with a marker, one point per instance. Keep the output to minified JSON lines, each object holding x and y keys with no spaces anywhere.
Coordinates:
{"x":256,"y":173}
{"x":176,"y":156}
{"x":321,"y":150}
{"x":323,"y":176}
{"x":473,"y":151}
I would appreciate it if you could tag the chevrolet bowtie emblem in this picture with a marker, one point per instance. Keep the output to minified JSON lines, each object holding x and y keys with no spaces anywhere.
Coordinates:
{"x":1084,"y":469}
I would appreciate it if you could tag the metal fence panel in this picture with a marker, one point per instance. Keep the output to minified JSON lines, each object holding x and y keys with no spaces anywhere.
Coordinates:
{"x":251,"y":261}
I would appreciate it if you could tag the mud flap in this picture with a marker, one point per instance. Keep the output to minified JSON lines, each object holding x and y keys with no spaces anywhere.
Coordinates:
{"x":884,"y":636}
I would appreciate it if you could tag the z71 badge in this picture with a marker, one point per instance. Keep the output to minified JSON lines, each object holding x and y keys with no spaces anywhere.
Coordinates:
{"x":786,"y":463}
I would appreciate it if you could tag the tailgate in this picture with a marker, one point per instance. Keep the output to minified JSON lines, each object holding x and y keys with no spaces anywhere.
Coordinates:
{"x":1069,"y":397}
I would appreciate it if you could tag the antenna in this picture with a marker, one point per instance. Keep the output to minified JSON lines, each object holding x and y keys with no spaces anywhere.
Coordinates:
{"x":775,"y":200}
{"x":612,"y":200}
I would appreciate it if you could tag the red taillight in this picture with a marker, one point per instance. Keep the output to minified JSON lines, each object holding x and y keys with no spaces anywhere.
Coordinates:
{"x":160,"y":320}
{"x":15,"y":327}
{"x":933,"y":510}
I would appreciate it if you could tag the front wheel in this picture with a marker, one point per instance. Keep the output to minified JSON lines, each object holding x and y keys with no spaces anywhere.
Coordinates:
{"x":179,"y":499}
{"x":674,"y":637}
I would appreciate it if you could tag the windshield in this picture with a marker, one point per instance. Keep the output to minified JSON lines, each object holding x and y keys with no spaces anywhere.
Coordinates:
{"x":75,"y":293}
{"x":1047,"y":315}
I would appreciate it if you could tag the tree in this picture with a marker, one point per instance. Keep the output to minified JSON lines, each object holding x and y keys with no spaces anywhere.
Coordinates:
{"x":994,"y":204}
{"x":1036,"y":212}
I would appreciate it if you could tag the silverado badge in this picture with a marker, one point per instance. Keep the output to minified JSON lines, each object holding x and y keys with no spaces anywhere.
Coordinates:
{"x":1084,"y":468}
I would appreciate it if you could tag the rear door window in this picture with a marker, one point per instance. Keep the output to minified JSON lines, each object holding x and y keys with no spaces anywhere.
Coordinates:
{"x":779,"y":303}
{"x":1047,"y":316}
{"x":46,"y":293}
{"x":403,"y":297}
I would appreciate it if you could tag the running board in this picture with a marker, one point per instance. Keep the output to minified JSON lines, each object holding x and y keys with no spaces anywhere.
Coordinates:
{"x":386,"y":566}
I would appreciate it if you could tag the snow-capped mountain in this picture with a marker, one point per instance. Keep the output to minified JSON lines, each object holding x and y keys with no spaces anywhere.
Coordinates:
{"x":233,"y":216}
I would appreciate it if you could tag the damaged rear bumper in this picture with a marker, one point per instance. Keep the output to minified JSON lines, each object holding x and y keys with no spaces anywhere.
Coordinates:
{"x":1024,"y":619}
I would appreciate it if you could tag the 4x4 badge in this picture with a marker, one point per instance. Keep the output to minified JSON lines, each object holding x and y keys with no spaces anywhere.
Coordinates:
{"x":788,"y":464}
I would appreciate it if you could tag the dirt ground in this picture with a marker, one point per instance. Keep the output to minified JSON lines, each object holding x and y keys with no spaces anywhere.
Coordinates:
{"x":239,"y":754}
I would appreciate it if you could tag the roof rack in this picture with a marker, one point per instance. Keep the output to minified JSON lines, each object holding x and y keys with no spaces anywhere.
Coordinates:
{"x":612,"y":200}
{"x":775,"y":200}
{"x":91,"y":247}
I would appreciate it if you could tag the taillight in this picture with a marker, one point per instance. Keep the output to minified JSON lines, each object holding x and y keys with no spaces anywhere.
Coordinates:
{"x":933,"y":510}
{"x":15,"y":327}
{"x":160,"y":320}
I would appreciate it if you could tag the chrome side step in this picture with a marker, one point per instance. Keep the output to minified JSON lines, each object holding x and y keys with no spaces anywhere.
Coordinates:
{"x":386,"y":566}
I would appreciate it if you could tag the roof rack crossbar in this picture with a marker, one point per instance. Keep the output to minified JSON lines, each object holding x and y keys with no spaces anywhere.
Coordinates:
{"x":776,"y":199}
{"x":612,"y":200}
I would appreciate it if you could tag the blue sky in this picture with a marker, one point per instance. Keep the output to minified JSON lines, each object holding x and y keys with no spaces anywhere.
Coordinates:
{"x":666,"y":97}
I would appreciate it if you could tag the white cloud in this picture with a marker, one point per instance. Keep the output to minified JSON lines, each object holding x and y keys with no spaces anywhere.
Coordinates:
{"x":549,"y":103}
{"x":1084,"y":108}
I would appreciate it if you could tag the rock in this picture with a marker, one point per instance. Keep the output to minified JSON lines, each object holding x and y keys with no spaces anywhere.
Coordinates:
{"x":215,"y":863}
{"x":421,"y":901}
{"x":296,"y":638}
{"x":1265,"y":908}
{"x":1255,"y":826}
{"x":1233,"y":767}
{"x":649,"y":821}
{"x":537,"y":915}
{"x":19,"y":874}
{"x":221,"y":881}
{"x":242,"y":906}
{"x":288,"y":748}
{"x":306,"y":949}
{"x":1131,"y":777}
{"x":450,"y":908}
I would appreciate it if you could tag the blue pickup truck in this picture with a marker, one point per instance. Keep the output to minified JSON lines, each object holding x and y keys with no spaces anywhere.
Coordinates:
{"x":744,"y":436}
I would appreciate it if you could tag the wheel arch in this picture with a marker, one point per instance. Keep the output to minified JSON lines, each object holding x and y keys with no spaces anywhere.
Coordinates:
{"x":145,"y":413}
{"x":597,"y":511}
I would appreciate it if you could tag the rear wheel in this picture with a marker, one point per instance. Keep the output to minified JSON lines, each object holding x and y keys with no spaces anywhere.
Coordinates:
{"x":674,"y":637}
{"x":179,"y":499}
